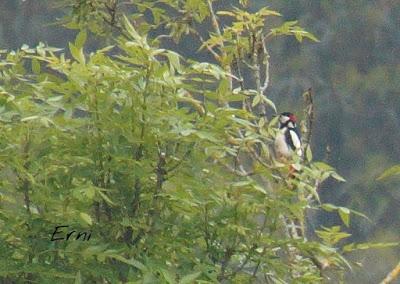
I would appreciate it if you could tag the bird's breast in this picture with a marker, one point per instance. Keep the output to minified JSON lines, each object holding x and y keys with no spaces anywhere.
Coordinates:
{"x":281,"y":147}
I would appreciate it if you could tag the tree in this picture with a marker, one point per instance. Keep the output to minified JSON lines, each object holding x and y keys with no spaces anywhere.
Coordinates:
{"x":163,"y":159}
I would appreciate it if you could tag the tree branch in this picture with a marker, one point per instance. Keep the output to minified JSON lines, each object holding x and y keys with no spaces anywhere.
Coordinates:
{"x":393,"y":275}
{"x":215,"y":24}
{"x":309,"y":113}
{"x":214,"y":20}
{"x":160,"y":174}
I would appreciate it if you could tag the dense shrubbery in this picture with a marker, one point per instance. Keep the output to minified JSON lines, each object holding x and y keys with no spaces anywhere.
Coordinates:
{"x":144,"y":148}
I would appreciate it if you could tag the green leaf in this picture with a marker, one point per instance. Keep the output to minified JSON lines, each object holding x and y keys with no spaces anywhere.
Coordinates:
{"x":344,"y":214}
{"x":206,"y":135}
{"x":242,"y":183}
{"x":86,"y":217}
{"x":256,"y":100}
{"x":35,"y":66}
{"x":226,"y":13}
{"x":106,"y":198}
{"x":365,"y":246}
{"x":131,"y":261}
{"x":342,"y":211}
{"x":174,"y":60}
{"x":267,"y":12}
{"x":78,"y":277}
{"x":29,"y":118}
{"x":332,"y":235}
{"x":392,"y":171}
{"x":168,"y":276}
{"x":269,"y":103}
{"x":336,"y":176}
{"x":309,"y":154}
{"x":323,"y":166}
{"x":77,"y":53}
{"x":189,"y":279}
{"x":81,"y":39}
{"x":131,"y":30}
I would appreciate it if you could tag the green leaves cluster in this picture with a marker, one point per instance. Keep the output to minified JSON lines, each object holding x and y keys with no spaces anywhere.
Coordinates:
{"x":143,"y":147}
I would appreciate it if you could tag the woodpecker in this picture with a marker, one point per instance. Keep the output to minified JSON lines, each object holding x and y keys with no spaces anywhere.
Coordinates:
{"x":288,"y":140}
{"x":287,"y":145}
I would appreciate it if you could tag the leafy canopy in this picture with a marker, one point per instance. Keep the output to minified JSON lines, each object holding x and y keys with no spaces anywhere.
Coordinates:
{"x":165,"y":159}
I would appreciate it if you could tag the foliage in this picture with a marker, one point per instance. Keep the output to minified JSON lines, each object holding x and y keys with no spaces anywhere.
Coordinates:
{"x":392,"y":171}
{"x":165,"y":159}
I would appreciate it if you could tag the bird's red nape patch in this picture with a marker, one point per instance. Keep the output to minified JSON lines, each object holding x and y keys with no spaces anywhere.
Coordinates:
{"x":293,"y":118}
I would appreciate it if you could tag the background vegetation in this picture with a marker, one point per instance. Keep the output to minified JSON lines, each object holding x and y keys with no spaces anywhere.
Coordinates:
{"x":352,"y":70}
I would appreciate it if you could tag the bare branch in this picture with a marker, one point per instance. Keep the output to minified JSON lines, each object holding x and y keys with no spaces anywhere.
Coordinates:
{"x":309,"y":113}
{"x":266,"y":62}
{"x":393,"y":275}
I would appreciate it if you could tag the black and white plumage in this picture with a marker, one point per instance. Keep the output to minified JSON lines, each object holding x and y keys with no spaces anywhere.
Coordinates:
{"x":288,"y":139}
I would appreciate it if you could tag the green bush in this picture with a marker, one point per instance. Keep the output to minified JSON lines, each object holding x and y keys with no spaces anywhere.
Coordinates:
{"x":163,"y":159}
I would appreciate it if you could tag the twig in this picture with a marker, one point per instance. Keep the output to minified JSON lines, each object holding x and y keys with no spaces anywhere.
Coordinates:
{"x":256,"y":67}
{"x":241,"y":173}
{"x":258,"y":158}
{"x":393,"y":275}
{"x":160,"y":173}
{"x":214,"y":20}
{"x":246,"y":260}
{"x":187,"y":153}
{"x":266,"y":75}
{"x":266,"y":62}
{"x":309,"y":112}
{"x":137,"y":156}
{"x":112,"y":11}
{"x":225,"y":261}
{"x":237,"y":63}
{"x":209,"y":48}
{"x":26,"y":183}
{"x":215,"y":24}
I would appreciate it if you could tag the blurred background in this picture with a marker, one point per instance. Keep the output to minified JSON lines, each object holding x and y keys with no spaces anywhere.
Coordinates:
{"x":355,"y":73}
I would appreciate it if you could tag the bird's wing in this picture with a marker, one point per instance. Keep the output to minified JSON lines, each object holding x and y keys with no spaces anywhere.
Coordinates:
{"x":295,"y":138}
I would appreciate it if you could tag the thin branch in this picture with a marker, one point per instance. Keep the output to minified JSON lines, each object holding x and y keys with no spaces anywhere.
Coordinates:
{"x":153,"y":212}
{"x":241,"y":173}
{"x":25,"y":181}
{"x":237,"y":63}
{"x":256,"y":64}
{"x":214,"y":20}
{"x":137,"y":156}
{"x":266,"y":75}
{"x":258,"y":158}
{"x":246,"y":260}
{"x":225,"y":261}
{"x":112,"y":11}
{"x":392,"y":276}
{"x":215,"y":24}
{"x":239,"y":72}
{"x":251,"y":251}
{"x":184,"y":157}
{"x":309,"y":112}
{"x":217,"y":57}
{"x":266,"y":62}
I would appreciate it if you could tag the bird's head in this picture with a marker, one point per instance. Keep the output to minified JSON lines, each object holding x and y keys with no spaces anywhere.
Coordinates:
{"x":285,"y":118}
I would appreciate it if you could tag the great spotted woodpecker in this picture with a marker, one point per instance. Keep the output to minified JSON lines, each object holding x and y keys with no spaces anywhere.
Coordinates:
{"x":287,"y":146}
{"x":288,"y":139}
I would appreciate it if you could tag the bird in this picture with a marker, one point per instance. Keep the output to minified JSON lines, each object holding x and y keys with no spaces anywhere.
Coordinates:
{"x":288,"y":140}
{"x":287,"y":146}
